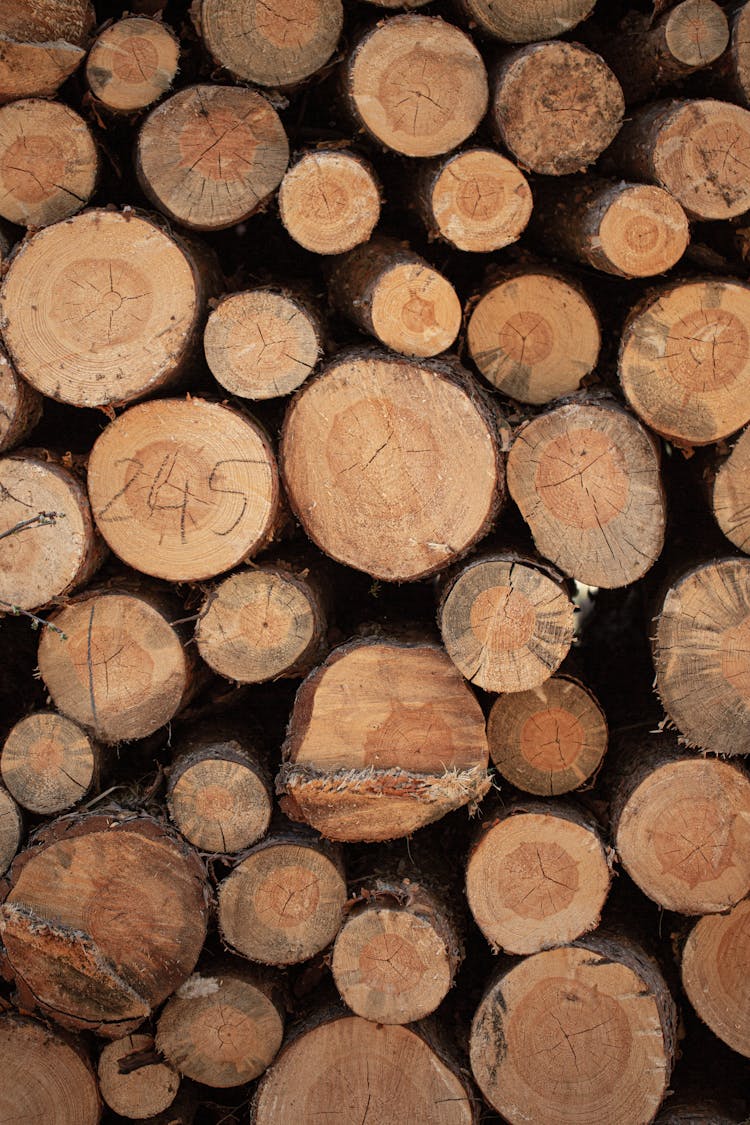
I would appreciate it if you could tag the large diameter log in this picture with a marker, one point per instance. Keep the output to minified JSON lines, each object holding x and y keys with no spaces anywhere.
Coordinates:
{"x":555,"y":106}
{"x":132,"y":64}
{"x":702,"y":657}
{"x":46,"y":1076}
{"x":184,"y":489}
{"x":529,"y":21}
{"x":146,"y":1090}
{"x":586,"y":478}
{"x":392,"y":466}
{"x":582,"y":1033}
{"x":329,"y":200}
{"x":729,"y":491}
{"x":49,"y":763}
{"x":41,"y":44}
{"x":418,"y":85}
{"x":209,"y":156}
{"x":105,"y":918}
{"x":408,"y":747}
{"x":685,"y":360}
{"x":20,"y":406}
{"x":715,"y":972}
{"x":506,"y":622}
{"x":352,"y":1064}
{"x":87,"y":315}
{"x":11,"y":829}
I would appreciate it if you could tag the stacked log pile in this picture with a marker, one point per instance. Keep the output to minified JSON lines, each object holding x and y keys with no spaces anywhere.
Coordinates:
{"x":374,"y":576}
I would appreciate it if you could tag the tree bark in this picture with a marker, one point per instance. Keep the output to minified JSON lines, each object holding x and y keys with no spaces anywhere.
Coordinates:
{"x":49,"y":763}
{"x":329,"y":200}
{"x":132,"y":64}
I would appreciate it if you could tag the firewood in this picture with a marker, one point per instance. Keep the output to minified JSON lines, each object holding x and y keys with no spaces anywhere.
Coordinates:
{"x":534,"y":335}
{"x":11,"y":829}
{"x":729,"y":497}
{"x":548,"y":740}
{"x":132,"y":64}
{"x":378,"y":481}
{"x":86,"y":318}
{"x":715,"y":966}
{"x":46,"y":1076}
{"x":209,"y":156}
{"x":184,"y":489}
{"x":142,"y":1092}
{"x":526,"y":23}
{"x":41,"y":44}
{"x":397,"y":297}
{"x":263,"y":343}
{"x":49,"y":763}
{"x":20,"y":406}
{"x":105,"y":918}
{"x":329,"y":200}
{"x":537,"y":876}
{"x":407,"y":749}
{"x":284,"y":901}
{"x":506,"y":621}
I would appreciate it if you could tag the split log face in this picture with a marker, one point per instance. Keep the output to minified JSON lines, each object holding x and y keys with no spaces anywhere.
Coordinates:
{"x":222,"y":1027}
{"x":284,"y":901}
{"x":209,"y":156}
{"x":701,"y":656}
{"x":121,"y":669}
{"x":45,"y":1078}
{"x":365,"y":1070}
{"x":417,"y":84}
{"x":412,"y":749}
{"x":262,"y":343}
{"x":260,"y":624}
{"x":586,"y":479}
{"x":329,"y":201}
{"x":580,"y":1033}
{"x":48,"y":162}
{"x":556,"y":106}
{"x":41,"y":44}
{"x":685,"y":361}
{"x":549,"y":740}
{"x":11,"y":829}
{"x":105,"y":918}
{"x":730,"y":499}
{"x":277,"y":45}
{"x":716,"y":974}
{"x":58,"y":549}
{"x":382,"y":486}
{"x":506,"y":623}
{"x":20,"y":406}
{"x":48,"y":763}
{"x":537,"y":877}
{"x":140,"y":1093}
{"x":88,"y":316}
{"x":527,"y":22}
{"x":534,"y":336}
{"x":184,"y":489}
{"x":132,"y":64}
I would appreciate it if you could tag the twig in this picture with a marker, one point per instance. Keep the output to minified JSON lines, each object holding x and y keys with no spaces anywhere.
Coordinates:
{"x":41,"y":519}
{"x":16,"y":611}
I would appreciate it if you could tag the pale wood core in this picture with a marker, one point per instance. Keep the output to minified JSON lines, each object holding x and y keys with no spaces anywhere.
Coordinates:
{"x":44,"y":1078}
{"x":11,"y":829}
{"x":716,"y":974}
{"x":220,"y":805}
{"x":329,"y":201}
{"x":415,"y":310}
{"x":534,"y":336}
{"x":730,"y":497}
{"x":480,"y":201}
{"x":142,"y":1093}
{"x":529,"y":21}
{"x":696,"y":32}
{"x":42,"y":44}
{"x":701,"y":155}
{"x":48,"y":762}
{"x":20,"y":406}
{"x":132,"y":64}
{"x":183,"y":489}
{"x":645,"y":231}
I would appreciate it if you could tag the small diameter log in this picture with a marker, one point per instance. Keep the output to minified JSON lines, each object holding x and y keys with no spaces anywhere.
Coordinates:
{"x":46,"y":1076}
{"x":555,"y":106}
{"x":715,"y":972}
{"x":132,"y":64}
{"x":681,"y":827}
{"x":20,"y":406}
{"x":730,"y":493}
{"x":262,"y":343}
{"x":149,"y":1088}
{"x":270,"y":45}
{"x":537,"y":876}
{"x":685,"y":360}
{"x":392,"y":466}
{"x":526,"y":22}
{"x":120,"y":668}
{"x":223,"y":1026}
{"x":534,"y":336}
{"x":284,"y":901}
{"x":11,"y":829}
{"x":586,"y":478}
{"x":629,"y":230}
{"x":41,"y":44}
{"x":418,"y":85}
{"x":49,"y":763}
{"x":476,"y":200}
{"x":697,"y":150}
{"x":702,"y":656}
{"x":586,"y":1032}
{"x":329,"y":201}
{"x":262,"y":623}
{"x":506,"y":622}
{"x":396,"y":956}
{"x":409,"y":747}
{"x":549,"y":740}
{"x":48,"y":542}
{"x":101,"y":309}
{"x":105,"y":918}
{"x":48,"y":162}
{"x":352,"y":1064}
{"x":209,"y":156}
{"x":184,"y":489}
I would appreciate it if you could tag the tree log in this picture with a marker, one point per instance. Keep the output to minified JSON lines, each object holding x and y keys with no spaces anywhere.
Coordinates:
{"x":140,"y":1093}
{"x":20,"y":406}
{"x":715,"y":972}
{"x":734,"y":67}
{"x":41,"y":44}
{"x":49,"y":763}
{"x":11,"y":829}
{"x":527,"y":22}
{"x":729,"y":494}
{"x":329,"y":200}
{"x":46,"y":1077}
{"x":691,"y":1111}
{"x":132,"y":64}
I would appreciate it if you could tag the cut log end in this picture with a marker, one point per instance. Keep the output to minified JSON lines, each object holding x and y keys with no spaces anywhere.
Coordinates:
{"x":45,"y":1078}
{"x":696,"y":32}
{"x":48,"y":763}
{"x":11,"y":829}
{"x":132,"y":64}
{"x":715,"y":971}
{"x":41,"y":45}
{"x":20,"y":406}
{"x":527,"y":23}
{"x":219,"y":798}
{"x":140,"y":1093}
{"x":329,"y":201}
{"x":643,"y":232}
{"x":730,"y":498}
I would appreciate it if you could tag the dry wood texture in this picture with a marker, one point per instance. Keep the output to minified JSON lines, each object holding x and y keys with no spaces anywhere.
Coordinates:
{"x":329,"y":200}
{"x":45,"y":1077}
{"x":49,"y":763}
{"x":730,"y":498}
{"x":715,"y":974}
{"x":735,"y":64}
{"x":41,"y":44}
{"x":11,"y":829}
{"x":141,"y":1093}
{"x":132,"y":64}
{"x":528,"y":21}
{"x":20,"y":406}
